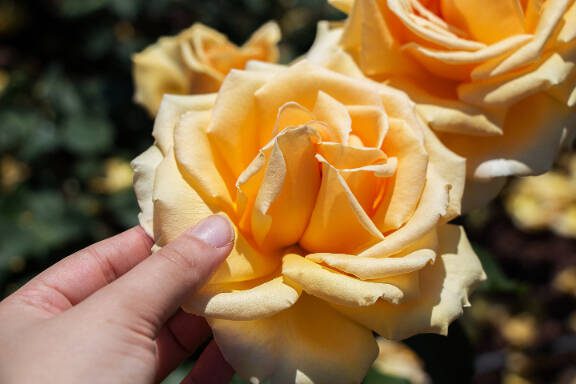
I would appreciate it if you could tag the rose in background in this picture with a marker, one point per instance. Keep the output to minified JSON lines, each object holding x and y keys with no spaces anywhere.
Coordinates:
{"x":340,"y":197}
{"x":547,"y":201}
{"x":496,"y":80}
{"x":196,"y":61}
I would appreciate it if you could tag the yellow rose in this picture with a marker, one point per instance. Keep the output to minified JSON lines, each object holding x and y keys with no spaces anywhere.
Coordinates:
{"x":340,"y":198}
{"x":196,"y":61}
{"x":496,"y":79}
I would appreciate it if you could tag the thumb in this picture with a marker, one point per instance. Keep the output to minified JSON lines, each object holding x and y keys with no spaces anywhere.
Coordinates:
{"x":152,"y":291}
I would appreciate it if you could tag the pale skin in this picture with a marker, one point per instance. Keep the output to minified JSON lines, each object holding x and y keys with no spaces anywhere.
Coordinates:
{"x":110,"y":313}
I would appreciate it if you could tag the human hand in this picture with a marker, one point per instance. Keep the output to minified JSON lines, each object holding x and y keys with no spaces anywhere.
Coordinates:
{"x":109,"y":313}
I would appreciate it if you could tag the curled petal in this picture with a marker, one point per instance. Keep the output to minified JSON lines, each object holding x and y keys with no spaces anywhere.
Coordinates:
{"x":335,"y":287}
{"x":566,"y":92}
{"x":452,"y":168}
{"x":288,"y":190}
{"x":403,"y":10}
{"x":369,"y":268}
{"x":446,"y":114}
{"x":506,"y":90}
{"x":144,"y":174}
{"x":445,"y":287}
{"x":242,"y":301}
{"x":307,"y":343}
{"x":551,"y":15}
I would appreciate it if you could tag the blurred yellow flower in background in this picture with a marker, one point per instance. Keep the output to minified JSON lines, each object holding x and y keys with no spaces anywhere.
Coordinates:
{"x":196,"y":61}
{"x":397,"y":360}
{"x":117,"y":177}
{"x":547,"y":201}
{"x":12,"y":172}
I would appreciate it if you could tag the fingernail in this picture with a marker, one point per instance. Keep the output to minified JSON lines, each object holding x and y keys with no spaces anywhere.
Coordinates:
{"x":214,"y":230}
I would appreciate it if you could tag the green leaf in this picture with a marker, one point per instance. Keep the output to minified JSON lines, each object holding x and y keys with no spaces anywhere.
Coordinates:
{"x":79,"y":8}
{"x":87,"y":135}
{"x":59,"y":91}
{"x":126,"y":9}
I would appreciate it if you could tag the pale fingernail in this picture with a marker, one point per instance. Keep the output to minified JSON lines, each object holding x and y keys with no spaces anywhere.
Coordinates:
{"x":214,"y":230}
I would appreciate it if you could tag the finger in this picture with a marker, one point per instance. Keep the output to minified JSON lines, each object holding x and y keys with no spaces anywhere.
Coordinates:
{"x":211,"y":368}
{"x":77,"y":276}
{"x":151,"y":292}
{"x":180,"y":337}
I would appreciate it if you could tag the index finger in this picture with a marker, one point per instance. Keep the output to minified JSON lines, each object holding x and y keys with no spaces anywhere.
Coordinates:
{"x":77,"y":276}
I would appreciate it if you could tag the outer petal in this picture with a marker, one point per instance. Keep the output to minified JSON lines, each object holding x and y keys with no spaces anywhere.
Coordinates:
{"x":144,"y":174}
{"x":177,"y":206}
{"x":201,"y":167}
{"x":234,"y":124}
{"x":158,"y":70}
{"x":335,"y":287}
{"x":528,"y":146}
{"x":244,"y":300}
{"x":445,"y":283}
{"x":432,"y":208}
{"x":172,"y":108}
{"x":451,"y":167}
{"x":305,"y":344}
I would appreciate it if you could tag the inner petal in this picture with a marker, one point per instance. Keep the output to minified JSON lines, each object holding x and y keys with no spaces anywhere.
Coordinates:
{"x":369,"y":124}
{"x":403,"y":195}
{"x":334,"y":114}
{"x":487,"y":21}
{"x":279,"y":188}
{"x":338,"y":222}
